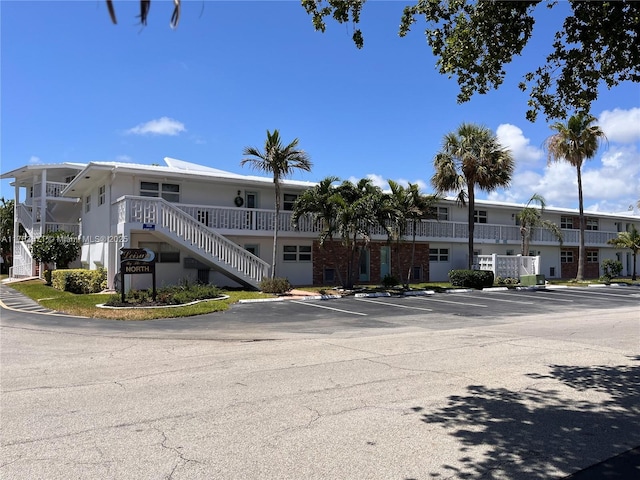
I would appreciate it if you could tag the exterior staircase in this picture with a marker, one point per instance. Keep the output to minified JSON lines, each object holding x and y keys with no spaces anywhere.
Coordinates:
{"x":184,"y":230}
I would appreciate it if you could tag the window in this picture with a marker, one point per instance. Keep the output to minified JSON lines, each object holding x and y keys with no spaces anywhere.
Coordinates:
{"x":102,"y":195}
{"x":297,"y":253}
{"x":566,"y":256}
{"x":592,"y":256}
{"x":510,"y":252}
{"x":87,"y":204}
{"x":591,"y":224}
{"x":165,"y":253}
{"x":438,"y":254}
{"x":480,"y":216}
{"x":566,"y":222}
{"x":289,"y":199}
{"x":253,"y":249}
{"x":442,"y":213}
{"x":169,"y":191}
{"x":69,"y":179}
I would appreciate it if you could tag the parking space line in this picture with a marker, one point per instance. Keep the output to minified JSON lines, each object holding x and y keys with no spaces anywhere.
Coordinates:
{"x":431,"y":299}
{"x":606,"y":294}
{"x":395,"y":305}
{"x":328,"y":308}
{"x":542,"y":296}
{"x":505,"y":300}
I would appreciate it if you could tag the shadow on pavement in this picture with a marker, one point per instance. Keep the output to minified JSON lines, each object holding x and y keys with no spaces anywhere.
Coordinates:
{"x":538,"y":432}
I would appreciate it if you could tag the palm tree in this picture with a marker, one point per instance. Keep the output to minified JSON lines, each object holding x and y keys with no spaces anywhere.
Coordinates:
{"x":281,"y":161}
{"x":629,"y":239}
{"x":530,"y":218}
{"x":407,"y":207}
{"x":573,"y":143}
{"x":318,"y":204}
{"x":471,"y":157}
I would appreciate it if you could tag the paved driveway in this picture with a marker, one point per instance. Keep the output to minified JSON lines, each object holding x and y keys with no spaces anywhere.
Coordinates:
{"x":536,"y":387}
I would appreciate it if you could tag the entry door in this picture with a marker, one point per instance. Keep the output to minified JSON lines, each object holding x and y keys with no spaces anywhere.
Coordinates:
{"x":385,"y":261}
{"x":364,"y":265}
{"x":251,"y":201}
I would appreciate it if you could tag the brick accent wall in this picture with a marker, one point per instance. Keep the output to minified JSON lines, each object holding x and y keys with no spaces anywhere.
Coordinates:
{"x":570,"y":270}
{"x":333,"y":255}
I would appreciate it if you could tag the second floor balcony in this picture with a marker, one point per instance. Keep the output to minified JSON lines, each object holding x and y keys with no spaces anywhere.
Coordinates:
{"x":260,"y":222}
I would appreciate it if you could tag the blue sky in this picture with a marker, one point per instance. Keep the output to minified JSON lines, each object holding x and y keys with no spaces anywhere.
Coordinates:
{"x":77,"y":88}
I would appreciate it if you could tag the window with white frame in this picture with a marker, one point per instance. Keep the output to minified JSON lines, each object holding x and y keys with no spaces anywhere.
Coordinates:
{"x":591,"y":224}
{"x":592,"y":256}
{"x":296,"y":253}
{"x":169,"y":191}
{"x":566,"y":223}
{"x":438,"y":254}
{"x":102,"y":195}
{"x":480,"y":216}
{"x":566,"y":256}
{"x":288,"y":200}
{"x":87,"y":204}
{"x":165,"y":253}
{"x":442,"y":213}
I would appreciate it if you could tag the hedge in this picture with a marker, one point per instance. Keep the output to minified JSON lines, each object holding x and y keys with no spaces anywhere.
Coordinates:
{"x":79,"y":280}
{"x":471,"y":278}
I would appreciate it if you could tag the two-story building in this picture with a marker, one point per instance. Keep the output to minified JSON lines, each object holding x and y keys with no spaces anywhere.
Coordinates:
{"x":214,"y":226}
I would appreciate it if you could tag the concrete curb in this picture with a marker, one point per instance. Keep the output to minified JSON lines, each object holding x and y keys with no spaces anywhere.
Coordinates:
{"x":419,"y":293}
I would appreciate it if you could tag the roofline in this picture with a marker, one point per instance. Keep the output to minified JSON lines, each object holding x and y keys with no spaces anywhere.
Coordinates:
{"x":42,"y":166}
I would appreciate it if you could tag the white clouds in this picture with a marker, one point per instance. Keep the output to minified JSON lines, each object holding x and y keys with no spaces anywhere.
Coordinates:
{"x":610,"y":184}
{"x":160,"y":126}
{"x":33,"y":160}
{"x":513,"y":138}
{"x":621,"y":126}
{"x":123,"y":158}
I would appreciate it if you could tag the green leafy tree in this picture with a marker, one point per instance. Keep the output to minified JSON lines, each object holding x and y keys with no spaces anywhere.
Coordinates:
{"x":280,"y":161}
{"x":59,"y":247}
{"x":6,"y":233}
{"x":629,"y":239}
{"x":574,"y":142}
{"x":474,"y":40}
{"x":530,"y":218}
{"x":470,"y":158}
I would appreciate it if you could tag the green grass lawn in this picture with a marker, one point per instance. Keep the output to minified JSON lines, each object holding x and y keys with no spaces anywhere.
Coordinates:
{"x":85,"y":305}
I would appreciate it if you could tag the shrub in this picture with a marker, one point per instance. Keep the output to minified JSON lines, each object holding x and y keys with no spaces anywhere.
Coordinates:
{"x":79,"y":280}
{"x":389,"y":281}
{"x":172,"y":295}
{"x":47,"y":277}
{"x":506,"y":281}
{"x":610,"y":269}
{"x":471,"y":278}
{"x":275,"y":285}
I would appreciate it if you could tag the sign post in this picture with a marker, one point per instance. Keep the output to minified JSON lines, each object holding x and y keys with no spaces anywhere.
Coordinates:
{"x":135,"y":261}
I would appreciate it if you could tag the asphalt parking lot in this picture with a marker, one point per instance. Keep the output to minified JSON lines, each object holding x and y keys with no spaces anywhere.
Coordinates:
{"x":434,"y":311}
{"x":490,"y":385}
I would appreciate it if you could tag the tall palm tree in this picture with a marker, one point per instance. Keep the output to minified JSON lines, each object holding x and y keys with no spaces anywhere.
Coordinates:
{"x":629,"y":239}
{"x":530,"y":218}
{"x":281,"y":161}
{"x":471,"y":157}
{"x":574,"y":142}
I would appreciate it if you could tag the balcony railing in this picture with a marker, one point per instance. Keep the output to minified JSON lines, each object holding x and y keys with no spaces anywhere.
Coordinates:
{"x":52,"y":189}
{"x":245,"y":220}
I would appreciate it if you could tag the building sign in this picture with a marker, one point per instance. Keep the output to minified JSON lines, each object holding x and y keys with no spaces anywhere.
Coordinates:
{"x":148,"y":226}
{"x":134,"y":261}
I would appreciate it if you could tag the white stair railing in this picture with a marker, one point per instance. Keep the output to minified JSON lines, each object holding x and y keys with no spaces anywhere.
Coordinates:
{"x":188,"y":231}
{"x":22,"y":261}
{"x":24,"y":217}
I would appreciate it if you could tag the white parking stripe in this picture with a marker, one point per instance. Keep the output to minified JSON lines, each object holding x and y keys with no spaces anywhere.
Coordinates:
{"x":592,"y":292}
{"x":584,"y":291}
{"x":394,"y":305}
{"x":505,"y":300}
{"x":431,"y":299}
{"x":328,"y":308}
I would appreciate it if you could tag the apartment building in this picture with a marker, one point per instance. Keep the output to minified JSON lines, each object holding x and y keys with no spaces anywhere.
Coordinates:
{"x":209,"y":225}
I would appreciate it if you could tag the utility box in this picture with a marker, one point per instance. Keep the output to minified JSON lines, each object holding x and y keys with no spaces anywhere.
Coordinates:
{"x":529,"y":280}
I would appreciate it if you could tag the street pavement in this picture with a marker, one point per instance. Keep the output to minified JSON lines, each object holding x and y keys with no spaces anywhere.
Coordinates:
{"x":524,"y":387}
